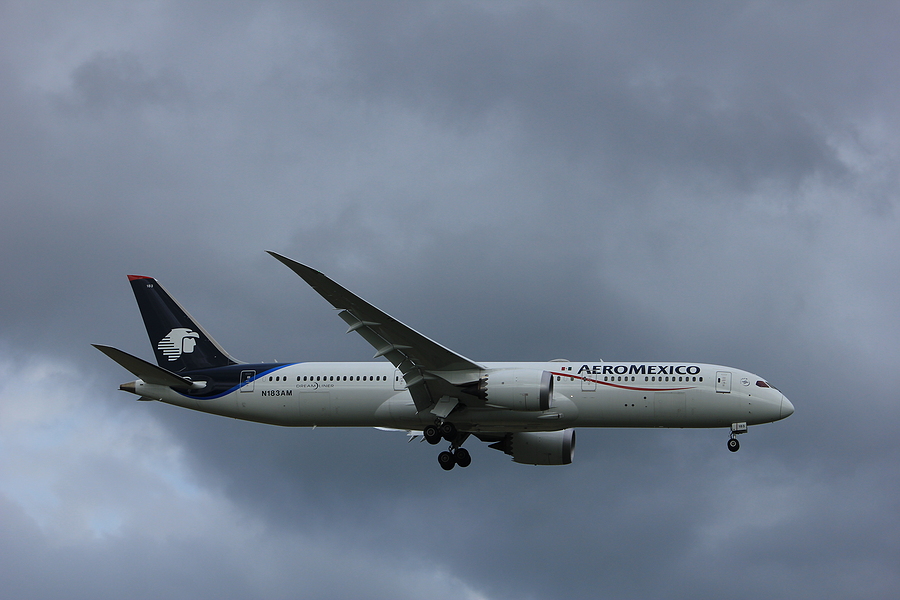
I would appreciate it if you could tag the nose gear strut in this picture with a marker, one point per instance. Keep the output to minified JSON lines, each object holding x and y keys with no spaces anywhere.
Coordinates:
{"x":736,"y":428}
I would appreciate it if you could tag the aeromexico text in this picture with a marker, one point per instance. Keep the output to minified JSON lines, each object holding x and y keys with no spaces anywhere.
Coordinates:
{"x":639,"y":369}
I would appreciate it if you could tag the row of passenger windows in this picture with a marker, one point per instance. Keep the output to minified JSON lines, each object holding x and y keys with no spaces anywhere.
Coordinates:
{"x":613,"y":378}
{"x":384,"y":378}
{"x":332,"y":378}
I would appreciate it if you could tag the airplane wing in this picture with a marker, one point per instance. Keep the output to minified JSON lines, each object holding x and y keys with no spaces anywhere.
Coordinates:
{"x":416,"y":356}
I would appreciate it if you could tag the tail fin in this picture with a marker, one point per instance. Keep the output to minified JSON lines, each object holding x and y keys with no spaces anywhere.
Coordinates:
{"x":180,"y":344}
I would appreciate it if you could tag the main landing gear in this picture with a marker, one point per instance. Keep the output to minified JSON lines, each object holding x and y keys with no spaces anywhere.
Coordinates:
{"x":450,"y":458}
{"x":453,"y":456}
{"x":736,"y":428}
{"x":443,"y":429}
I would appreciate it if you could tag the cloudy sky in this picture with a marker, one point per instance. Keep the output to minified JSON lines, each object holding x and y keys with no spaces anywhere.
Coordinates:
{"x":704,"y":182}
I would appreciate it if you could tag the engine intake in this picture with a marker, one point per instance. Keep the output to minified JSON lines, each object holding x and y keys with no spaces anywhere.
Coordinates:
{"x":517,"y":389}
{"x":539,"y":447}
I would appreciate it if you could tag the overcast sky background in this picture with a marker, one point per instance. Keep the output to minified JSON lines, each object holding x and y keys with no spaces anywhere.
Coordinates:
{"x":703,"y":182}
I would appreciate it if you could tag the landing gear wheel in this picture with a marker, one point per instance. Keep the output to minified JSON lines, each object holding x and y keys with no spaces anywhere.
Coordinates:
{"x":463,"y":458}
{"x":448,"y":431}
{"x":432,"y":435}
{"x":734,"y":445}
{"x":446,"y":460}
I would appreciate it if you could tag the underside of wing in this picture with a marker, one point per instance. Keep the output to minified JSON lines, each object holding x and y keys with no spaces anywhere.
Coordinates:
{"x":417,"y":357}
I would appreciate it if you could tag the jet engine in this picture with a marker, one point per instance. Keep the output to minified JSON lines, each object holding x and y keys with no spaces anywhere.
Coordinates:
{"x":539,"y":447}
{"x":517,"y":389}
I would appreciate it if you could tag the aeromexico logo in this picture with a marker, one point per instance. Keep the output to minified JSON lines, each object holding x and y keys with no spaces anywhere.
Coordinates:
{"x":633,"y":369}
{"x":180,"y":340}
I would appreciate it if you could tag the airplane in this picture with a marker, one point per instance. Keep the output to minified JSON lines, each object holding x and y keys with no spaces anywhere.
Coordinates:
{"x":528,"y":410}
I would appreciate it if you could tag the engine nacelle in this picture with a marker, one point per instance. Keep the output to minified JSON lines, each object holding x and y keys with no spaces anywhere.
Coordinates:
{"x":539,"y":447}
{"x":517,"y":389}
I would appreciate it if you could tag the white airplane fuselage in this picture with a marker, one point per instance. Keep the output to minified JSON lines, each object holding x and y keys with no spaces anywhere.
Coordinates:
{"x":585,"y":394}
{"x":526,"y":410}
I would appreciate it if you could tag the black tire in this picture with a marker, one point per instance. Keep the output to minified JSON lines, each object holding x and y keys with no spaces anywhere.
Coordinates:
{"x":446,"y":460}
{"x":734,"y":445}
{"x":432,"y":435}
{"x":463,"y":458}
{"x":448,"y":431}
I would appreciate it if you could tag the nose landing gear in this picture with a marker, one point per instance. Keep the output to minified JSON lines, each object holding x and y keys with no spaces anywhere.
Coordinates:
{"x":736,"y":428}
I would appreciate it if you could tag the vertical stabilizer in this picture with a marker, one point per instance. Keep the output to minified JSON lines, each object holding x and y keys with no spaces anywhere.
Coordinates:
{"x":180,"y":344}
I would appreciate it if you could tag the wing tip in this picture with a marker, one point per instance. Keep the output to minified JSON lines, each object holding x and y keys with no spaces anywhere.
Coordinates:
{"x":282,"y":258}
{"x":297,"y":267}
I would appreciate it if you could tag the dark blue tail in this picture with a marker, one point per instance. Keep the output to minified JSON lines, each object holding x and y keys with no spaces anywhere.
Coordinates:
{"x":180,"y":344}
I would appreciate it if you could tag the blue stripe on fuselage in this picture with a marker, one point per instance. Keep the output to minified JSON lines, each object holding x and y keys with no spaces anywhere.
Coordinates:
{"x":230,"y":376}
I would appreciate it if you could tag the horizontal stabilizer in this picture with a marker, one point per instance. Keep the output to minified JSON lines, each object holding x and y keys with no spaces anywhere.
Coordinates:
{"x":148,"y":372}
{"x":410,"y":435}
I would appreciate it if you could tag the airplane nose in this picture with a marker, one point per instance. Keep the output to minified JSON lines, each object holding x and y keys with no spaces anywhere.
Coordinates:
{"x":787,"y":409}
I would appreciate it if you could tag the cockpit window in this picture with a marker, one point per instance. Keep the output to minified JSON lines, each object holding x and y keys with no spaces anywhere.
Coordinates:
{"x":766,"y":384}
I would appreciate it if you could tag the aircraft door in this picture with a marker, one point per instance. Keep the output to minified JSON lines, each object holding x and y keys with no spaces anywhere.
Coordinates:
{"x":723,"y":382}
{"x":399,"y":382}
{"x":247,"y":380}
{"x":588,"y":383}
